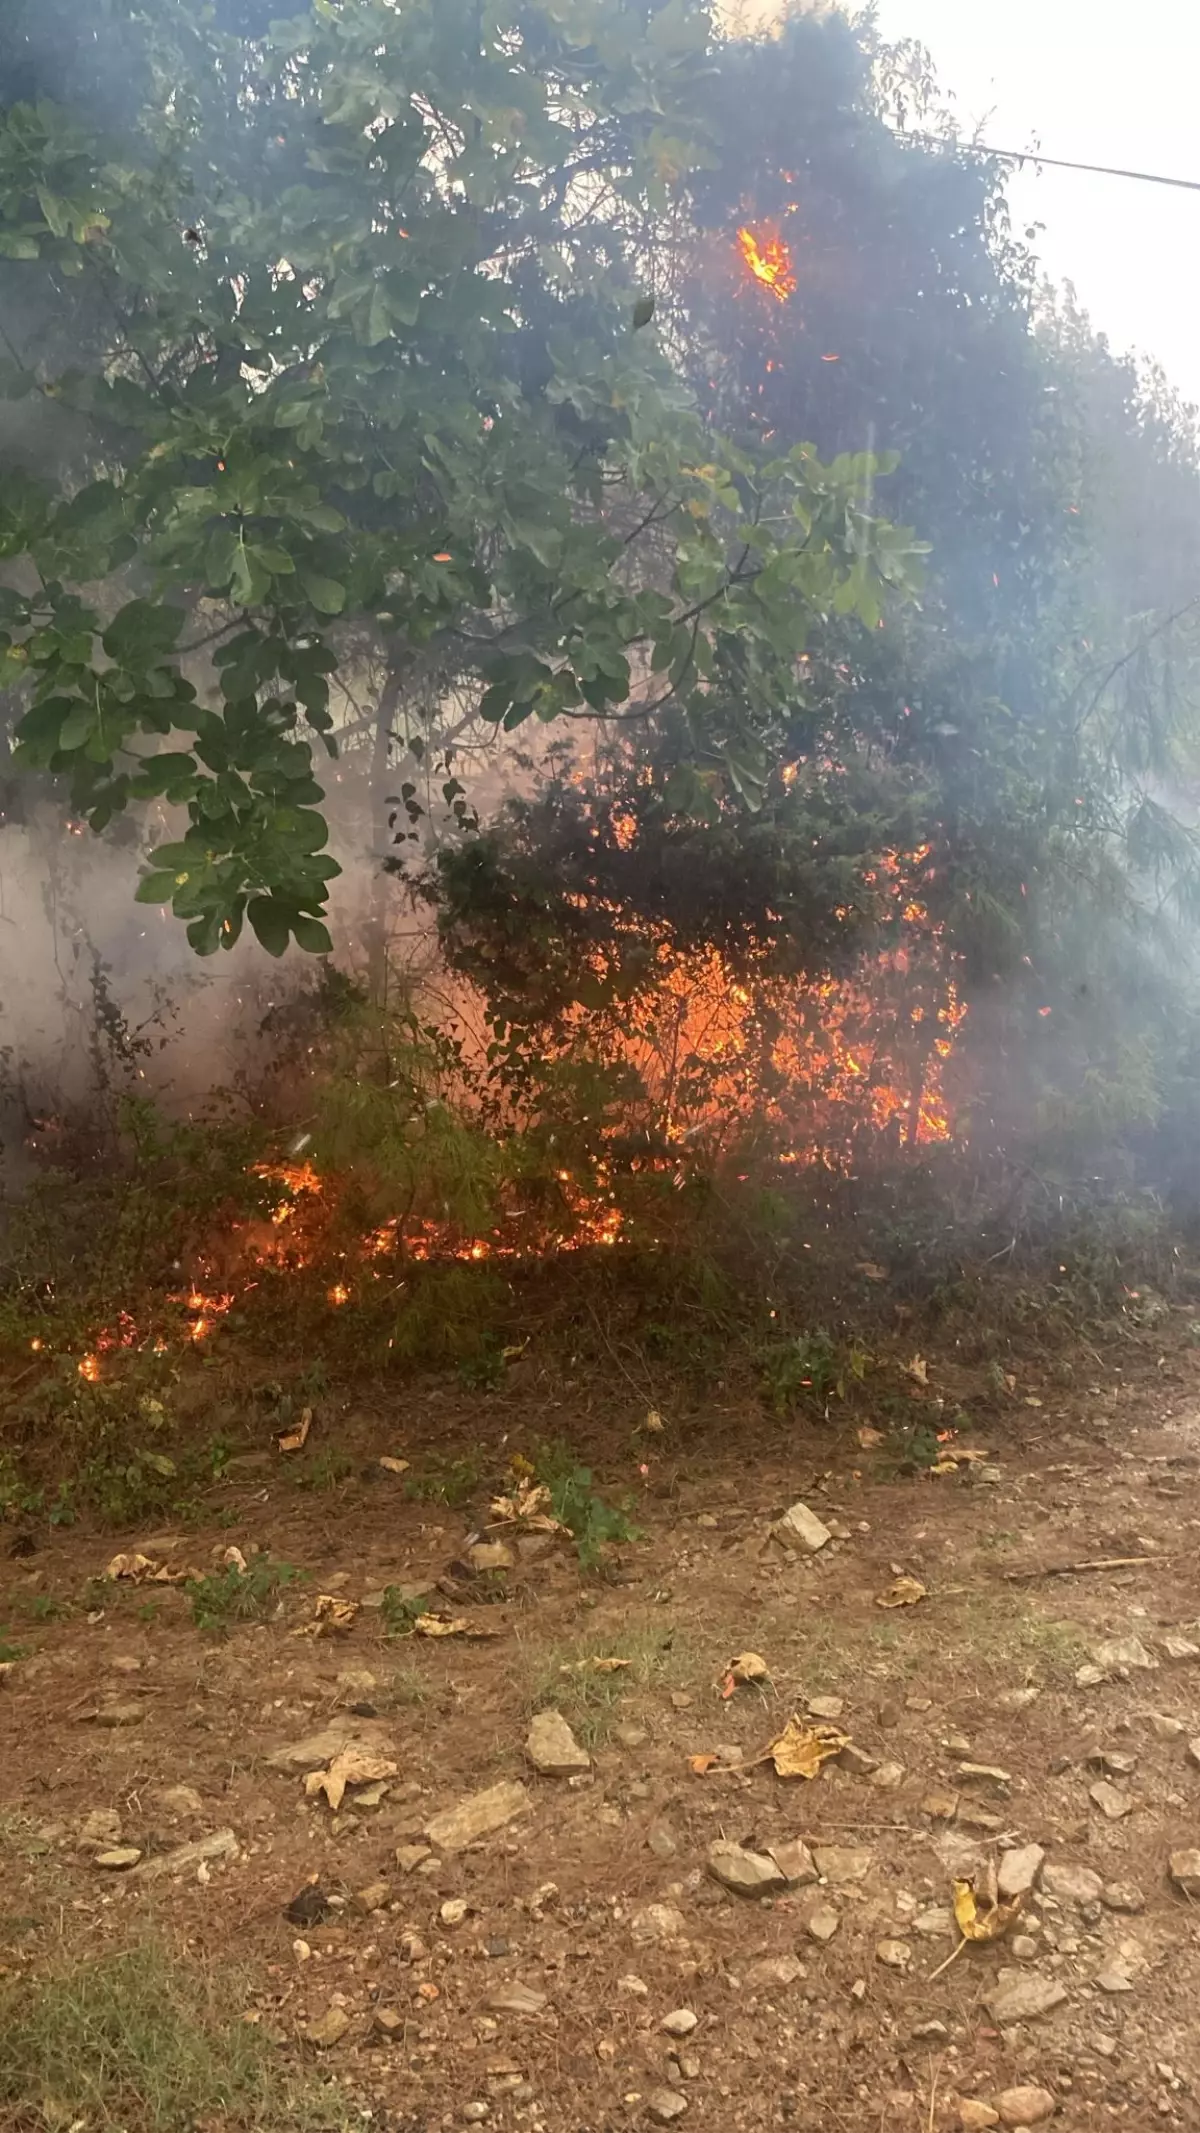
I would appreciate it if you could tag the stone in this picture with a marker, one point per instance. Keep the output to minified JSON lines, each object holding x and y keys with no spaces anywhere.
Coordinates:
{"x":515,"y":1998}
{"x":988,"y":1774}
{"x":100,"y":1829}
{"x":119,"y":1860}
{"x":178,"y":1799}
{"x":410,"y":1856}
{"x":822,"y":1922}
{"x":857,"y":1761}
{"x":328,"y":2029}
{"x":1024,"y":1948}
{"x":1193,"y":1749}
{"x":120,"y":1714}
{"x":972,"y":1817}
{"x":1122,"y":1896}
{"x":389,"y":2021}
{"x":1025,"y":2106}
{"x":630,"y":1736}
{"x":800,"y":1528}
{"x":315,"y":1750}
{"x":479,"y":1815}
{"x":1019,"y":1870}
{"x":666,"y":2104}
{"x":1164,"y":1728}
{"x":662,"y":1841}
{"x":893,"y":1954}
{"x":1110,"y":1800}
{"x":1123,"y":1655}
{"x":840,"y":1863}
{"x":1089,"y":1677}
{"x":1072,"y":1884}
{"x":1184,"y":1868}
{"x":775,"y":1970}
{"x":637,"y":1986}
{"x":680,"y":2022}
{"x":1112,"y":1762}
{"x":1017,"y":1699}
{"x":935,"y":1923}
{"x":475,"y":2112}
{"x":658,"y":1921}
{"x":453,"y":1911}
{"x":933,"y":2032}
{"x":487,"y":1557}
{"x":412,"y":1948}
{"x":372,"y":1898}
{"x":940,"y":1806}
{"x":795,"y":1863}
{"x":827,"y":1707}
{"x":888,"y":1778}
{"x":221,"y":1845}
{"x":974,"y":2115}
{"x":355,"y":1684}
{"x":1114,"y":1978}
{"x":746,"y":1873}
{"x":1020,"y":1997}
{"x":1177,"y":1647}
{"x":552,"y":1747}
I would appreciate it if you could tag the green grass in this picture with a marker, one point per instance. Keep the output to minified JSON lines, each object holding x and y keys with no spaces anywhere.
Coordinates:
{"x":234,"y":1595}
{"x":591,"y":1702}
{"x":137,"y":2042}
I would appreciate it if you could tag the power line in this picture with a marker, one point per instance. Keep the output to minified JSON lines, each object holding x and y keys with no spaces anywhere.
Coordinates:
{"x":1033,"y":155}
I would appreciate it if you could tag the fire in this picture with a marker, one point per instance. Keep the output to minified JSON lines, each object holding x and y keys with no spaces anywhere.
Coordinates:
{"x":89,"y":1368}
{"x":768,"y":259}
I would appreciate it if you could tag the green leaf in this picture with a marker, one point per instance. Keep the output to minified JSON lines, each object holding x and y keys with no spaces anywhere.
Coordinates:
{"x":155,"y":889}
{"x":312,"y":936}
{"x":271,"y":923}
{"x":327,"y":596}
{"x":141,"y":632}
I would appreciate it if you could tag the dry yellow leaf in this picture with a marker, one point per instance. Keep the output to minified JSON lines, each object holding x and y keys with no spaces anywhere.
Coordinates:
{"x":978,"y":1910}
{"x":332,"y":1617}
{"x":394,"y":1466}
{"x":749,"y":1666}
{"x":295,"y":1439}
{"x":233,"y":1559}
{"x":700,"y":1765}
{"x":527,"y":1505}
{"x":800,"y":1750}
{"x":352,"y":1766}
{"x":431,"y":1625}
{"x":143,"y":1570}
{"x":902,"y":1592}
{"x":918,"y":1370}
{"x":596,"y":1666}
{"x":869,"y":1438}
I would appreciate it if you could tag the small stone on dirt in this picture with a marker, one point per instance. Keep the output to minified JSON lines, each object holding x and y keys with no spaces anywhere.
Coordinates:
{"x":630,"y":1736}
{"x":373,"y":1897}
{"x":635,"y":1986}
{"x":893,"y":1954}
{"x":487,"y":1557}
{"x":801,"y":1528}
{"x":1025,"y":2106}
{"x":1164,"y":1728}
{"x":315,"y":1750}
{"x":1177,"y":1647}
{"x":857,"y":1761}
{"x":662,"y":1841}
{"x":120,"y":1859}
{"x":517,"y":1999}
{"x":328,"y":2029}
{"x":680,"y":2022}
{"x":746,"y":1873}
{"x":178,"y":1800}
{"x":479,"y":1815}
{"x":987,"y":1774}
{"x":940,"y":1806}
{"x":1114,"y":1978}
{"x":102,"y":1828}
{"x":822,"y":1922}
{"x":973,"y":2115}
{"x":828,"y":1707}
{"x":1185,"y":1872}
{"x":1021,"y":1998}
{"x":888,"y":1778}
{"x":843,"y":1862}
{"x":1017,"y":1699}
{"x":1122,"y":1896}
{"x":221,"y":1845}
{"x":1111,"y":1802}
{"x":454,"y":1910}
{"x":775,"y":1970}
{"x":410,"y":1856}
{"x":552,"y":1747}
{"x":658,"y":1921}
{"x":389,"y":2021}
{"x":1019,"y":1870}
{"x":795,"y":1863}
{"x":1072,"y":1884}
{"x":1122,"y":1655}
{"x":936,"y":1923}
{"x":666,"y":2104}
{"x":121,"y":1714}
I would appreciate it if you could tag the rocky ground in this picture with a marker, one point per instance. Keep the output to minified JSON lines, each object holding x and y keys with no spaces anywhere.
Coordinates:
{"x":623,"y":1914}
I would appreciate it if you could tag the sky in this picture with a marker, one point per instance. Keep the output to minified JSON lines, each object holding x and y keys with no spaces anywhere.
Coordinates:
{"x":1102,"y":84}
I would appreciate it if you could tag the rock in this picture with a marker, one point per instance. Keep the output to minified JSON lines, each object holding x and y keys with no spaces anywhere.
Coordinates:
{"x":840,"y":1863}
{"x":356,"y":1684}
{"x":221,"y":1845}
{"x":1122,"y":1655}
{"x":1193,"y":1749}
{"x":934,"y":2032}
{"x":552,"y":1747}
{"x":120,"y":1714}
{"x":800,"y":1528}
{"x":857,"y":1761}
{"x":940,"y":1806}
{"x":1177,"y":1647}
{"x":328,"y":2029}
{"x":1122,"y":1896}
{"x":1089,"y":1677}
{"x":476,"y":2111}
{"x":1114,"y":1978}
{"x":827,"y":1707}
{"x":1021,"y":1998}
{"x":973,"y":1817}
{"x":1072,"y":1884}
{"x":936,"y":1923}
{"x":1164,"y":1728}
{"x":100,"y":1829}
{"x":1112,"y":1762}
{"x":454,"y":1910}
{"x":637,"y":1986}
{"x":410,"y":1856}
{"x":487,"y":1557}
{"x":389,"y":2021}
{"x":658,"y":1921}
{"x":888,"y":1778}
{"x":1017,"y":1699}
{"x":299,"y":1757}
{"x":1184,"y":1868}
{"x":662,"y":1841}
{"x":119,"y":1860}
{"x":1111,"y":1802}
{"x":517,"y":1999}
{"x":372,"y":1898}
{"x":666,"y":2104}
{"x":178,"y":1799}
{"x":822,"y":1922}
{"x":975,"y":2115}
{"x":681,"y":1701}
{"x":680,"y":2023}
{"x":1019,"y":1870}
{"x":1024,"y":1948}
{"x":478,"y":1815}
{"x":746,"y":1873}
{"x":795,"y":1863}
{"x":630,"y":1736}
{"x":893,"y":1954}
{"x":775,"y":1970}
{"x":1025,"y":2106}
{"x":412,"y":1948}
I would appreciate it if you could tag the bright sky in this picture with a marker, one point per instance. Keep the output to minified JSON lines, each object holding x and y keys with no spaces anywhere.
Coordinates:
{"x":1103,"y":84}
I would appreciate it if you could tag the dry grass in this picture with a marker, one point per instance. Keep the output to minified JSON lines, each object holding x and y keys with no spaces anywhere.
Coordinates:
{"x":591,"y":1701}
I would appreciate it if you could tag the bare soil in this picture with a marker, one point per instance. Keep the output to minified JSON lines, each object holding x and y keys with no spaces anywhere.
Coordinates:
{"x":557,"y":1900}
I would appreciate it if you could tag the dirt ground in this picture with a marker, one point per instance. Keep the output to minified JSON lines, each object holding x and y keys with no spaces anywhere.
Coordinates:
{"x":579,"y":1969}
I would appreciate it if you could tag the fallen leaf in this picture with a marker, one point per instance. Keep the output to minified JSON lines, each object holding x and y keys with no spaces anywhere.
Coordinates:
{"x":233,"y":1559}
{"x":295,"y":1439}
{"x":435,"y":1625}
{"x":918,"y":1369}
{"x":870,"y":1270}
{"x":143,"y":1570}
{"x":978,"y":1909}
{"x":394,"y":1466}
{"x":902,"y":1592}
{"x":6,"y":1668}
{"x":700,"y":1765}
{"x":351,"y":1766}
{"x":654,"y":1421}
{"x":332,"y":1617}
{"x":596,"y":1666}
{"x":527,"y":1505}
{"x":747,"y":1667}
{"x":800,"y":1750}
{"x":869,"y":1438}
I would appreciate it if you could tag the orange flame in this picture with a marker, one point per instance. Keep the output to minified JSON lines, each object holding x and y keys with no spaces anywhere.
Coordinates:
{"x":768,"y":259}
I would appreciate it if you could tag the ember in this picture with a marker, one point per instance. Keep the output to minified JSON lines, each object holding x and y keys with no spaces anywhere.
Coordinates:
{"x":768,"y":259}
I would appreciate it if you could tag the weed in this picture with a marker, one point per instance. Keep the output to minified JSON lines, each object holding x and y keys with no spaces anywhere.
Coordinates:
{"x":408,"y":1686}
{"x":592,"y":1523}
{"x":810,"y":1370}
{"x":234,"y":1595}
{"x":326,"y":1471}
{"x":449,"y":1481}
{"x":483,"y":1372}
{"x":400,"y":1613}
{"x":563,"y":1677}
{"x":9,"y":1652}
{"x":138,"y":2043}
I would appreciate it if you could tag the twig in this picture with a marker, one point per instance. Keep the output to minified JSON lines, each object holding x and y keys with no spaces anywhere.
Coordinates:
{"x":952,"y":1958}
{"x":1072,"y":1570}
